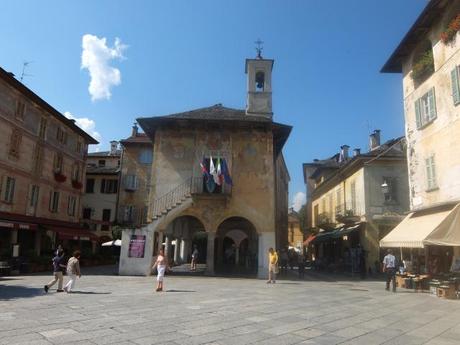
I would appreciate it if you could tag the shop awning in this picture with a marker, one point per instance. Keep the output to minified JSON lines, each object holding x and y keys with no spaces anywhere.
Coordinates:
{"x":308,"y":240}
{"x":447,"y":233}
{"x":414,"y":229}
{"x":74,"y":233}
{"x":346,"y":230}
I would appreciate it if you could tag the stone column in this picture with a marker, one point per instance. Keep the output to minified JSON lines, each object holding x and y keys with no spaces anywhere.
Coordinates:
{"x":167,"y":246}
{"x":220,"y":250}
{"x":38,"y":242}
{"x":177,"y":250}
{"x":160,"y":241}
{"x":183,"y":255}
{"x":210,"y":254}
{"x":237,"y":256}
{"x":266,"y":240}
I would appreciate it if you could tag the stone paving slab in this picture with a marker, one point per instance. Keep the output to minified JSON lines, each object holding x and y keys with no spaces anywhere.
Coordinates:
{"x":221,"y":311}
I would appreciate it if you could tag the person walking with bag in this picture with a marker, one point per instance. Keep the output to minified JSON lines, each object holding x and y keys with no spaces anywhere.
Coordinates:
{"x":57,"y":271}
{"x":73,"y":270}
{"x":161,"y":264}
{"x":272,"y":266}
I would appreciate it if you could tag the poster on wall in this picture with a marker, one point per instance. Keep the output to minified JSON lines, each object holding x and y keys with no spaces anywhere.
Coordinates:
{"x":136,"y":246}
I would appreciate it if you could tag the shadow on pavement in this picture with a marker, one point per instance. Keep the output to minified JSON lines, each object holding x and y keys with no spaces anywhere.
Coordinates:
{"x":180,"y":291}
{"x":90,"y":293}
{"x":106,"y":270}
{"x":15,"y":291}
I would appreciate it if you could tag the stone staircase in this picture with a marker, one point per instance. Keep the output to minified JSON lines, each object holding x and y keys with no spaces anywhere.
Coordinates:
{"x":173,"y":199}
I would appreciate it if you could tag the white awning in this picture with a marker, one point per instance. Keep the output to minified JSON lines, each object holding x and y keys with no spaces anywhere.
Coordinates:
{"x":413,"y":230}
{"x":448,"y":232}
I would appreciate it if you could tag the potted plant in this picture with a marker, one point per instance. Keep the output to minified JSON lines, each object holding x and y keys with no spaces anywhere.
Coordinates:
{"x":59,"y":176}
{"x":423,"y":67}
{"x":77,"y":184}
{"x":450,"y":31}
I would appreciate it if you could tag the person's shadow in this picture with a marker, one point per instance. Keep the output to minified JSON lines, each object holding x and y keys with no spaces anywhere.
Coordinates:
{"x":90,"y":293}
{"x":8,"y":292}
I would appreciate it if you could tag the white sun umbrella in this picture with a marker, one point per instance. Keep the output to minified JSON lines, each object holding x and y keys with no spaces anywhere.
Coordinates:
{"x":116,"y":243}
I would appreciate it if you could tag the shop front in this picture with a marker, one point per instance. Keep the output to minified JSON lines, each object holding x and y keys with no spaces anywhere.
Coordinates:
{"x":427,"y":246}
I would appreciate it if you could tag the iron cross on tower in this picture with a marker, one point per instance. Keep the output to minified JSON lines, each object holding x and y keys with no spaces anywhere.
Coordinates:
{"x":259,"y":48}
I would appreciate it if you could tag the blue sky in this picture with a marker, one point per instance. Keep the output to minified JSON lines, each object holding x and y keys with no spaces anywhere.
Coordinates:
{"x":180,"y":55}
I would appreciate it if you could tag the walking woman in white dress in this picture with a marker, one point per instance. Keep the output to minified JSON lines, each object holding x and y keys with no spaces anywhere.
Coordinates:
{"x":161,"y":264}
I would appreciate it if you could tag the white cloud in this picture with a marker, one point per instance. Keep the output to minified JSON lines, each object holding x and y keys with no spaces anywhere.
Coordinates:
{"x":299,"y":199}
{"x":95,"y":57}
{"x":88,"y":125}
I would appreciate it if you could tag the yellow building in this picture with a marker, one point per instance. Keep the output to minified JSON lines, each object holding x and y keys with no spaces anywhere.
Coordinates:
{"x":42,"y":169}
{"x":355,"y":201}
{"x":295,"y":236}
{"x":428,"y":58}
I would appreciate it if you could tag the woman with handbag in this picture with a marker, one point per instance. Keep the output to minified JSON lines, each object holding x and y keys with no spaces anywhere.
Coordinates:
{"x":161,"y":264}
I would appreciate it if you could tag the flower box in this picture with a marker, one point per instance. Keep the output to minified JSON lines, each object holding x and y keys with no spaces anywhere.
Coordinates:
{"x":451,"y":30}
{"x":77,"y":184}
{"x":423,"y":67}
{"x":59,"y":177}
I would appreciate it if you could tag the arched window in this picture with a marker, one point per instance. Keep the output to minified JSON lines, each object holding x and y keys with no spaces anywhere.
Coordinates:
{"x":260,"y":81}
{"x":422,"y":63}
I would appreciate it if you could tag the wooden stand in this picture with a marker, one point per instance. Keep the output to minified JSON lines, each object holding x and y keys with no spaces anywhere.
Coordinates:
{"x":447,"y":291}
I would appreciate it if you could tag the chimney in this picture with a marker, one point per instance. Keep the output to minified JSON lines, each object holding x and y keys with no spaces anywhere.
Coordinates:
{"x":374,"y":139}
{"x":356,"y":152}
{"x":135,"y":130}
{"x":344,"y":152}
{"x":113,"y":147}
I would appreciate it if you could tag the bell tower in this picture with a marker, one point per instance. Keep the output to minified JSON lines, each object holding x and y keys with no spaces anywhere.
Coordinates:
{"x":259,"y":71}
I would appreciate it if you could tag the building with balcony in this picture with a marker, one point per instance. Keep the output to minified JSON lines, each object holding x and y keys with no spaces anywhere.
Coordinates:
{"x":99,"y":203}
{"x":355,"y":201}
{"x":295,"y":236}
{"x":218,"y":181}
{"x":42,"y":169}
{"x":428,"y":57}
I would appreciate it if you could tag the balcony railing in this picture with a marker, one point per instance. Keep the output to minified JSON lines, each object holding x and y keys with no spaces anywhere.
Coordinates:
{"x":349,"y":212}
{"x":199,"y":187}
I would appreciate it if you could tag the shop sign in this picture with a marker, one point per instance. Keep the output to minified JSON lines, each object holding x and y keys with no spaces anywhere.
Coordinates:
{"x":136,"y":246}
{"x":6,"y":225}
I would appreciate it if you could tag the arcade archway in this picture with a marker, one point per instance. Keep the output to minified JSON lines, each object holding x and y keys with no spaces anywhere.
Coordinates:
{"x":236,"y":247}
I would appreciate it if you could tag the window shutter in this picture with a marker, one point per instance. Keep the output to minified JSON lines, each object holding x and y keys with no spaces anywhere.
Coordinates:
{"x":418,"y":114}
{"x":102,"y":185}
{"x":433,"y":172}
{"x":432,"y":104}
{"x":51,"y":202}
{"x":455,"y":86}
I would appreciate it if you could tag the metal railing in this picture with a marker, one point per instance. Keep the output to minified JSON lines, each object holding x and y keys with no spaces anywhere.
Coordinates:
{"x":348,"y":210}
{"x":199,"y":187}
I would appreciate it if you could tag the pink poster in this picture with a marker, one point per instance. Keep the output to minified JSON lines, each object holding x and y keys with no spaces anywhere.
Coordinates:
{"x":136,"y":246}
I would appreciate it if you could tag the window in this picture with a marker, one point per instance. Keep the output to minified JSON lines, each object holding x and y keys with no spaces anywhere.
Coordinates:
{"x":109,"y":186}
{"x":15,"y":143}
{"x":425,"y":109}
{"x":101,"y":162}
{"x":72,"y":202}
{"x":130,"y":182}
{"x":89,"y":185}
{"x":76,"y":172}
{"x":145,"y":156}
{"x":87,"y":213}
{"x":61,"y":136}
{"x":430,"y":173}
{"x":57,"y":164}
{"x":105,"y":218}
{"x":455,"y":85}
{"x":33,"y":199}
{"x":389,"y":189}
{"x":42,"y":128}
{"x":54,"y":202}
{"x":316,"y":213}
{"x":353,"y":196}
{"x":38,"y":154}
{"x":130,"y":214}
{"x":78,"y":146}
{"x":20,"y":110}
{"x":8,"y":189}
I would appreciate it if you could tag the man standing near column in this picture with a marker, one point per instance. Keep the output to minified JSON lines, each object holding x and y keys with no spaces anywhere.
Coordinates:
{"x":57,"y":270}
{"x":389,"y":267}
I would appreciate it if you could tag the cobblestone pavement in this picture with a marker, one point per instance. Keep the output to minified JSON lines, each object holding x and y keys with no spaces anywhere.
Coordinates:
{"x":200,"y":310}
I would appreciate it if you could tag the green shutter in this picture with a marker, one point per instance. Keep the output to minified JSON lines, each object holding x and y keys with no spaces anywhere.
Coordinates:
{"x":433,"y":172}
{"x":418,"y":115}
{"x":455,"y":86}
{"x":428,"y":173}
{"x":432,"y":104}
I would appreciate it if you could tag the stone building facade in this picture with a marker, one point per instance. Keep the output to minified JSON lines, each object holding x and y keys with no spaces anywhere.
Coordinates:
{"x":99,"y":203}
{"x":356,"y":200}
{"x":232,"y":224}
{"x":42,"y":169}
{"x":428,"y":58}
{"x":135,"y":180}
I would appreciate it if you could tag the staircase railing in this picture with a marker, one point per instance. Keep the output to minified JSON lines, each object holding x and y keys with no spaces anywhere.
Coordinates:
{"x":175,"y":196}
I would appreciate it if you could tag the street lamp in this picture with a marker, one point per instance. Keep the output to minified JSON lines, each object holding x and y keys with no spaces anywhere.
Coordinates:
{"x":385,"y":188}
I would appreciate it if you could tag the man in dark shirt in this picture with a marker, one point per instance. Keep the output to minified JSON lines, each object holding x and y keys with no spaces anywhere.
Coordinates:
{"x":57,"y":270}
